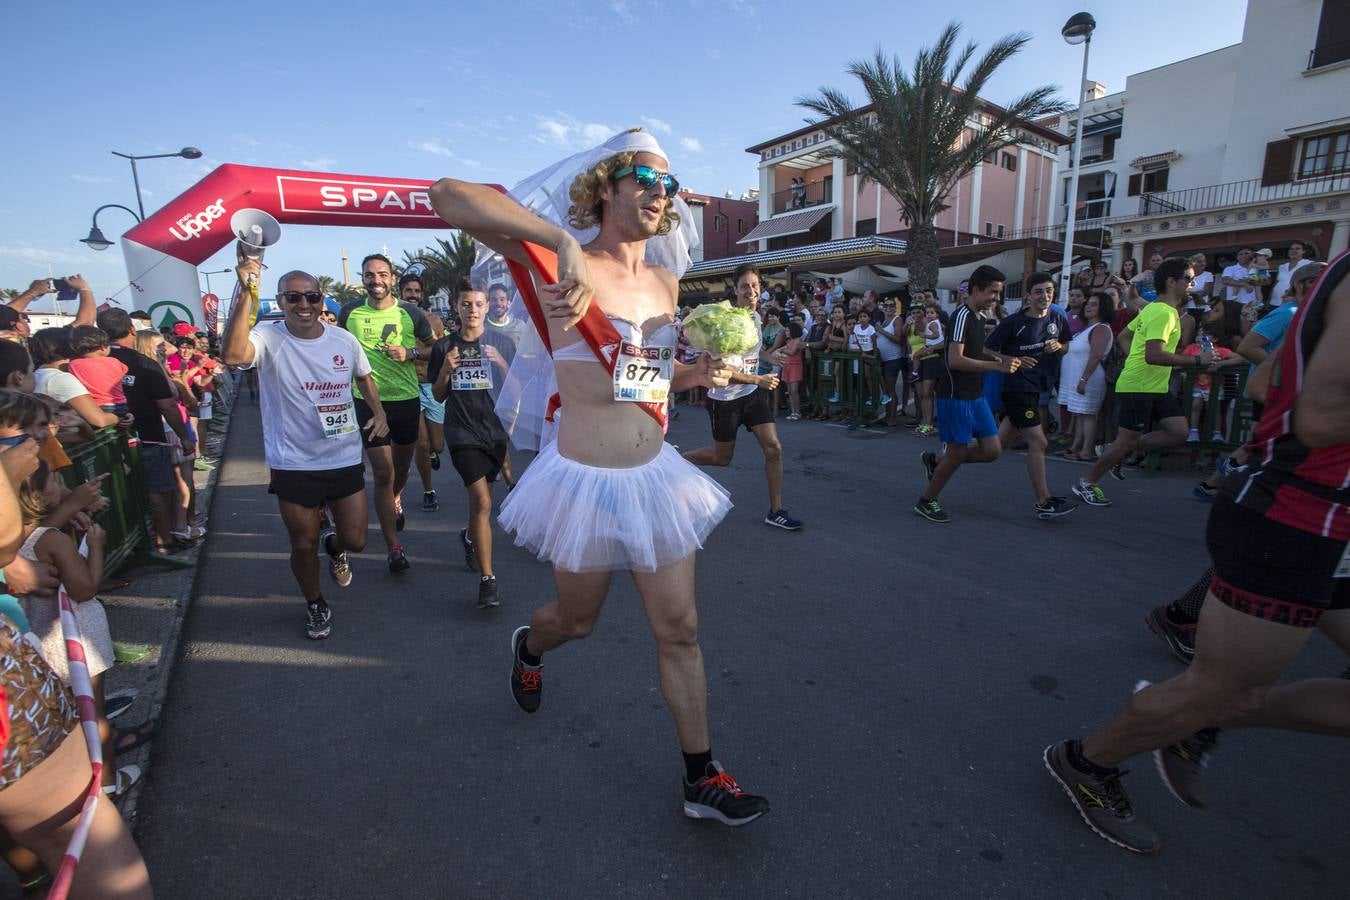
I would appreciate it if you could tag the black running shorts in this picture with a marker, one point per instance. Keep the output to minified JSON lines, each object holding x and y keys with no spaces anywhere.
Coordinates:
{"x":1023,"y":410}
{"x":752,"y":410}
{"x":1139,"y":411}
{"x":473,"y":463}
{"x":403,"y":416}
{"x":313,"y":489}
{"x":1271,"y":571}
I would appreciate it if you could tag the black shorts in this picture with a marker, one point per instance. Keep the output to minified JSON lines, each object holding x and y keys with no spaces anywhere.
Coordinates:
{"x":1138,"y":411}
{"x":755,"y":408}
{"x":930,"y":368}
{"x":313,"y":489}
{"x":1271,"y":571}
{"x":403,"y":417}
{"x":473,"y":463}
{"x":891,"y":368}
{"x":1022,"y":410}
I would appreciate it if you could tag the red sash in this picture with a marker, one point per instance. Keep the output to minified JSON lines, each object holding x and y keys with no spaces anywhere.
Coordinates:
{"x":595,"y":327}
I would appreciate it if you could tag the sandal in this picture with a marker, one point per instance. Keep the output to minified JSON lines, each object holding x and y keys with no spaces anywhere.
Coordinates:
{"x":126,"y":777}
{"x":127,"y":739}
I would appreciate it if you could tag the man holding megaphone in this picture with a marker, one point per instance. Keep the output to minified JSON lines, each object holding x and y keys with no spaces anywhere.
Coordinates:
{"x":310,"y":434}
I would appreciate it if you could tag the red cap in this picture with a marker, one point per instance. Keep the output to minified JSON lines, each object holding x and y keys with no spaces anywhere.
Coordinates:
{"x":184,"y":329}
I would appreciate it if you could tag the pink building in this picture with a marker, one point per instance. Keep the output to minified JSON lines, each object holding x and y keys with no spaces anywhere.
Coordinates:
{"x":807,"y":197}
{"x":722,"y":222}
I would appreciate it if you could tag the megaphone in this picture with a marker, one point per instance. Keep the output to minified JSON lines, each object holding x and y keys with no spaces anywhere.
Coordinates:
{"x":256,"y":231}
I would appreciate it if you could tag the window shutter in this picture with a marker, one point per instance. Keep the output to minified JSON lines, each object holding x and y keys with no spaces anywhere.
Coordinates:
{"x":1279,"y":165}
{"x":1136,"y":182}
{"x":1160,"y":180}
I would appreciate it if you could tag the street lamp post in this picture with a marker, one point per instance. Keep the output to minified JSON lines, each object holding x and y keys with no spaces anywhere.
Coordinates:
{"x":213,"y":272}
{"x":1078,"y":30}
{"x":96,"y":240}
{"x":185,"y":153}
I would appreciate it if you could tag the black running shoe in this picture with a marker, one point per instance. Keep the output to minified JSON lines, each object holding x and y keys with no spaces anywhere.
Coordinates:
{"x":527,"y":682}
{"x":1178,"y":636}
{"x":487,"y":592}
{"x":398,"y":561}
{"x":717,"y":796}
{"x":400,"y":520}
{"x":435,"y":461}
{"x":929,"y":460}
{"x":470,"y":557}
{"x":319,"y":623}
{"x":932,"y":511}
{"x":429,"y":503}
{"x":1102,"y":802}
{"x":1117,"y":472}
{"x":779,"y":518}
{"x":1181,"y":764}
{"x":1054,"y":507}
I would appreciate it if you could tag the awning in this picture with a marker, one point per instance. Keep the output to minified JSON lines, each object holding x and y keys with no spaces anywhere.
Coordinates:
{"x":1155,"y":161}
{"x":793,"y":223}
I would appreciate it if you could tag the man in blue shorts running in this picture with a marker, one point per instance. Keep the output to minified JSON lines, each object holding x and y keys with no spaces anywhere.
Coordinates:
{"x":962,"y":412}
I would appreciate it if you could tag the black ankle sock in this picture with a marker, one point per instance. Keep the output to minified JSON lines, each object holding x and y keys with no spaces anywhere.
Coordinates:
{"x":696,"y":765}
{"x":527,"y":657}
{"x":494,"y":578}
{"x":1084,"y":764}
{"x":318,"y":601}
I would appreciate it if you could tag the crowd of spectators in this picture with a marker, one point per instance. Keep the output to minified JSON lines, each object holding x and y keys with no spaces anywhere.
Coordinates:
{"x":905,"y":333}
{"x":107,"y":375}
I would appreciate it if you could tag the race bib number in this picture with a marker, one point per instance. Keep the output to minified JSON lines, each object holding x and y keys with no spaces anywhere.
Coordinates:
{"x":336,"y":419}
{"x":472,"y":375}
{"x":643,"y":374}
{"x":750,"y":365}
{"x":1343,"y":568}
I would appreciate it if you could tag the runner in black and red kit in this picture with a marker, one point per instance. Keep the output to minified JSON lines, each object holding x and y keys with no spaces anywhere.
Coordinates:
{"x":1279,"y":536}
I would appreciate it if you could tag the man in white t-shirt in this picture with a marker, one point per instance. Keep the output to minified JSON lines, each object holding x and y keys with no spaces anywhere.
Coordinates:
{"x":1237,"y":278}
{"x":310,"y":436}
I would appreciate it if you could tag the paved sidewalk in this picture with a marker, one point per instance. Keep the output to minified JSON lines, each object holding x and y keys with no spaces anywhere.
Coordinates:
{"x":888,"y":683}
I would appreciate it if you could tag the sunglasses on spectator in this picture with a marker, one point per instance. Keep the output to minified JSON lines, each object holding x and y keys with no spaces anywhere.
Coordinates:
{"x":314,"y":298}
{"x":647,"y":177}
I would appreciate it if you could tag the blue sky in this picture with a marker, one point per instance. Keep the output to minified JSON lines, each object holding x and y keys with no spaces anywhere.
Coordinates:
{"x":484,"y":91}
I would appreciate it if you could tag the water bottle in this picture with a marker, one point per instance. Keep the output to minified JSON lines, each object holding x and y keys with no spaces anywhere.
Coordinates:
{"x":204,"y":407}
{"x":1206,"y":344}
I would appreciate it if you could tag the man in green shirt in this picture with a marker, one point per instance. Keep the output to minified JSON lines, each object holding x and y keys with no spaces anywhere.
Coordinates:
{"x":394,"y":335}
{"x":1142,"y":389}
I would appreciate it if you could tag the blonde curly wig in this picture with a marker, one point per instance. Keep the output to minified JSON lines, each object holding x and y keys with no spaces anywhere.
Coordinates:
{"x":586,"y":212}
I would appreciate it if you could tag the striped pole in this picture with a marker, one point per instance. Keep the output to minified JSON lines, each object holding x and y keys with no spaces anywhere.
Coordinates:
{"x":84,"y":702}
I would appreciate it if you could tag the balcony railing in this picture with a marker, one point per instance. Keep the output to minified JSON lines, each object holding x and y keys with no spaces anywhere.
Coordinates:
{"x":1327,"y":54}
{"x":1237,"y":193}
{"x":813,"y":193}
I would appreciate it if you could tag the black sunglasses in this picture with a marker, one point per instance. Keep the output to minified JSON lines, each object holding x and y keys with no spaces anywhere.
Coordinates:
{"x":647,"y":177}
{"x":314,"y":298}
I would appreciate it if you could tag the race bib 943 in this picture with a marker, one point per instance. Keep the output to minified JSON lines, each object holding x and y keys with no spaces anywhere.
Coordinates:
{"x":643,"y":374}
{"x":336,"y":419}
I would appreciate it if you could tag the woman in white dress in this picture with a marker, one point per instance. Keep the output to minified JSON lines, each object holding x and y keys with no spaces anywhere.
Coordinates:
{"x":1300,"y":254}
{"x":1082,"y":381}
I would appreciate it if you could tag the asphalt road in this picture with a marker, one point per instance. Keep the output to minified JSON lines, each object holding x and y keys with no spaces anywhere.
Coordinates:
{"x":888,"y":683}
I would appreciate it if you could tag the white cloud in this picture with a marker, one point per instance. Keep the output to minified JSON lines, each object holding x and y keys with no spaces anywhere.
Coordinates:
{"x":92,"y":179}
{"x":435,"y":147}
{"x":563,"y":130}
{"x":319,"y":164}
{"x":693,"y":145}
{"x":656,"y":125}
{"x":622,"y":12}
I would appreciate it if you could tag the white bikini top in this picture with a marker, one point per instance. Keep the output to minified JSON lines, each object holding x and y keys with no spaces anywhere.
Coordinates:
{"x":631,"y":332}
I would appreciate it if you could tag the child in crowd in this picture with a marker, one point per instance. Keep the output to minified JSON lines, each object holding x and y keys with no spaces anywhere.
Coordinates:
{"x":1209,"y":334}
{"x":864,"y":341}
{"x":792,"y":368}
{"x":100,"y":373}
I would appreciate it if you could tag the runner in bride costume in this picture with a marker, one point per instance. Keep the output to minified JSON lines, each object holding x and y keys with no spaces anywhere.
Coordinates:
{"x":609,"y":493}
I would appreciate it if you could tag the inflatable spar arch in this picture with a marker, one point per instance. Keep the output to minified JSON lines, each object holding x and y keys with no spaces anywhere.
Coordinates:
{"x":163,"y":252}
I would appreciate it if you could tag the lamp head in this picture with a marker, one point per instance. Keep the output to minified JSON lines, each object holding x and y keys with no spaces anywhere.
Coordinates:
{"x":1079,"y":28}
{"x":194,"y":153}
{"x":96,"y":240}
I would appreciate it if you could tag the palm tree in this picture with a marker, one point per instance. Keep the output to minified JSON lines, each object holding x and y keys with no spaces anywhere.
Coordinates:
{"x":8,"y":294}
{"x":345,"y":293}
{"x":446,"y":262}
{"x":922,"y":138}
{"x":326,"y":285}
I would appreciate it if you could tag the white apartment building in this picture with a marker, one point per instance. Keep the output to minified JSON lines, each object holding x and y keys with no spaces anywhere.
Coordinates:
{"x":1247,"y":145}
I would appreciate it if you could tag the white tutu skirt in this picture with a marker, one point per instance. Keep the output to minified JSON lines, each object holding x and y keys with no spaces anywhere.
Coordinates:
{"x":588,"y":519}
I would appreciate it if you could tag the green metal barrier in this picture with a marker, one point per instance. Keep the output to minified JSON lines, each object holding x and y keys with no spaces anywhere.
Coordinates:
{"x":128,"y":519}
{"x":1234,"y":424}
{"x":837,"y":384}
